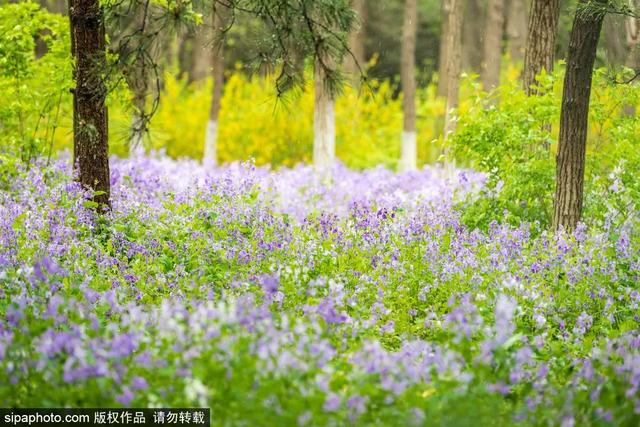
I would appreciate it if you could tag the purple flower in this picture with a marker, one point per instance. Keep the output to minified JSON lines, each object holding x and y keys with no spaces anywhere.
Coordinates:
{"x":139,"y":383}
{"x":583,"y":324}
{"x":123,"y":345}
{"x":125,"y":397}
{"x":357,"y":404}
{"x":269,"y":283}
{"x":499,"y":387}
{"x":331,"y":403}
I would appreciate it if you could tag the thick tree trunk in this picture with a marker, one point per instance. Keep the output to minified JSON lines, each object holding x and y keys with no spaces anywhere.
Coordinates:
{"x":211,"y":137}
{"x":355,"y":61}
{"x":324,"y":126}
{"x":493,"y":45}
{"x":442,"y":55}
{"x":408,"y":152}
{"x":90,"y":124}
{"x":453,"y":42}
{"x":516,"y":15}
{"x":473,"y":15}
{"x":541,"y":41}
{"x":570,"y":160}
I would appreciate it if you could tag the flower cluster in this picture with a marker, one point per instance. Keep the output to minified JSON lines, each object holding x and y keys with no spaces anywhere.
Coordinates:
{"x":279,"y":297}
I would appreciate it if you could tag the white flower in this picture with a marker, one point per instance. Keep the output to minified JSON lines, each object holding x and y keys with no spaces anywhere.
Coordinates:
{"x":196,"y":391}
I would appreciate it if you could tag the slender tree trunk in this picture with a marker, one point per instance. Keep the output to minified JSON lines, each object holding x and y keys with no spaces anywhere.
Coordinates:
{"x":454,"y":38}
{"x":408,"y":152}
{"x":632,"y":33}
{"x":516,"y":28}
{"x":140,"y":88}
{"x":473,"y":14}
{"x":614,"y":31}
{"x":138,"y":80}
{"x":541,"y":41}
{"x":632,"y":60}
{"x":201,"y":61}
{"x":493,"y":45}
{"x":453,"y":65}
{"x":90,"y":131}
{"x":211,"y":138}
{"x":572,"y":141}
{"x":442,"y":56}
{"x":355,"y":61}
{"x":324,"y":124}
{"x":185,"y":56}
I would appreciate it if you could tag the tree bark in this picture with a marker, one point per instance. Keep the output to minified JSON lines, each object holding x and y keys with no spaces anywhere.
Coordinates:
{"x":90,"y":124}
{"x":541,"y":41}
{"x":570,"y":160}
{"x":614,"y":32}
{"x":140,"y":88}
{"x":453,"y":46}
{"x":324,"y":126}
{"x":201,"y":61}
{"x":473,"y":15}
{"x":632,"y":60}
{"x":355,"y":61}
{"x":408,"y":152}
{"x":210,"y":156}
{"x":138,"y":80}
{"x":493,"y":45}
{"x":516,"y":14}
{"x":442,"y":55}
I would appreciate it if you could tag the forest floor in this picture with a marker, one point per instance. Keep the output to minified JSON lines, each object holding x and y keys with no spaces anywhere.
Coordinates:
{"x":277,"y":298}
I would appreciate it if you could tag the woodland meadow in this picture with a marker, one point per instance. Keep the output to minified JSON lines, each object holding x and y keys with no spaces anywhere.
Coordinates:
{"x":322,"y":212}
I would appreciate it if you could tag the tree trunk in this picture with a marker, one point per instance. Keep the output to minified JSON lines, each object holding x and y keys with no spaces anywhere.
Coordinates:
{"x":210,"y":156}
{"x":632,"y":60}
{"x":90,"y":124}
{"x":493,"y":45}
{"x":632,"y":33}
{"x":185,"y":57}
{"x":541,"y":41}
{"x":140,"y":88}
{"x":442,"y":56}
{"x":473,"y":33}
{"x":614,"y":31}
{"x":324,"y":126}
{"x":355,"y":61}
{"x":201,"y":55}
{"x":408,"y":152}
{"x":570,"y":160}
{"x":138,"y":80}
{"x":453,"y":47}
{"x":516,"y":28}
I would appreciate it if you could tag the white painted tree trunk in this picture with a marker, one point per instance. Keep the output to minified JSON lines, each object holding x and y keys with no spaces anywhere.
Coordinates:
{"x":210,"y":157}
{"x":409,"y":151}
{"x":453,"y":41}
{"x":324,"y":127}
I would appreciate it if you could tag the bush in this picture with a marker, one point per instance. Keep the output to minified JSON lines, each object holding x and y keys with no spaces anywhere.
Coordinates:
{"x":35,"y":78}
{"x":515,"y":144}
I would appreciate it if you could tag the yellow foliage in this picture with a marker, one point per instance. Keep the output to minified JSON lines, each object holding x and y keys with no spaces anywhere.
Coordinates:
{"x":255,"y":124}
